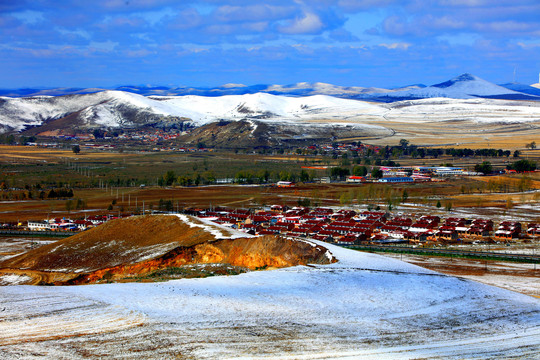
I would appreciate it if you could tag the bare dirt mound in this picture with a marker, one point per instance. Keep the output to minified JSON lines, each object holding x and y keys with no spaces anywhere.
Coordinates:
{"x":137,"y":247}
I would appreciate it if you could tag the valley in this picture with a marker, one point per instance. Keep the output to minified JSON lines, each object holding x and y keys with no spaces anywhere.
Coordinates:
{"x":186,"y":182}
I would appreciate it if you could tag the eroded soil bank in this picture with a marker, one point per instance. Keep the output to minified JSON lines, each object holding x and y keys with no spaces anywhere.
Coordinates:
{"x":133,"y":249}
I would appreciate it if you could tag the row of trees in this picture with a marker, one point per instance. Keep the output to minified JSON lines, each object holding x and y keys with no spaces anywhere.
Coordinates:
{"x":340,"y":173}
{"x":522,"y":165}
{"x":240,"y":177}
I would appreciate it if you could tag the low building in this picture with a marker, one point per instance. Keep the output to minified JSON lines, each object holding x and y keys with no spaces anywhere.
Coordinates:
{"x":39,"y":225}
{"x":285,"y":184}
{"x":356,"y":179}
{"x":394,"y":180}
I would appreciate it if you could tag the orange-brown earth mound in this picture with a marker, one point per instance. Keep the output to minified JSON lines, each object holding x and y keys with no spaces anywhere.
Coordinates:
{"x":134,"y":247}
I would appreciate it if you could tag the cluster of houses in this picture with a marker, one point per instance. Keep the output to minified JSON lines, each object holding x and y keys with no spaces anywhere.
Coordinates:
{"x":344,"y":226}
{"x":351,"y":227}
{"x":66,"y":224}
{"x":407,"y":174}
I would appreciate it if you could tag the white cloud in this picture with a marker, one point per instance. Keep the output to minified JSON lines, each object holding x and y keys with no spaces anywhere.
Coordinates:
{"x":528,"y":46}
{"x":309,"y":24}
{"x":398,"y":46}
{"x":105,"y":46}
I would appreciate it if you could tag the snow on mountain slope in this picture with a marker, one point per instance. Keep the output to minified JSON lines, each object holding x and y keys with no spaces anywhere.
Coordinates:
{"x":264,"y":106}
{"x":100,"y":108}
{"x":461,"y":87}
{"x":526,"y":89}
{"x":476,"y":110}
{"x":365,"y":306}
{"x":465,"y":86}
{"x":113,"y":109}
{"x":318,"y":88}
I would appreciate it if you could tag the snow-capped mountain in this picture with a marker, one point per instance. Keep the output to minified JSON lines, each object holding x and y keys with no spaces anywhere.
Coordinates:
{"x":298,"y":89}
{"x":269,"y":116}
{"x":522,"y":88}
{"x":465,"y":86}
{"x":102,"y":109}
{"x":115,"y":109}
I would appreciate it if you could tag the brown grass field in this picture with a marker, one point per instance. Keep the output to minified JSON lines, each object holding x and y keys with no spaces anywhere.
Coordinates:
{"x":23,"y":165}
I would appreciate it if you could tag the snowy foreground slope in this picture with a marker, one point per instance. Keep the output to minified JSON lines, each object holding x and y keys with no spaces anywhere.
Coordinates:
{"x":363,"y":307}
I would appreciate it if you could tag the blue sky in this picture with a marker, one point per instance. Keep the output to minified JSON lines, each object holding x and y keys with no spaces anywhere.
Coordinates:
{"x":383,"y":43}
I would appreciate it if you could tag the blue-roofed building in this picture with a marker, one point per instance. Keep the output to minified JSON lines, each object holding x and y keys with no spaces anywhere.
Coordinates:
{"x":404,"y":179}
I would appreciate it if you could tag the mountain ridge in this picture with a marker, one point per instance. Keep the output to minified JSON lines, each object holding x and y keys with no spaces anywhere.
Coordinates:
{"x":484,"y":88}
{"x":267,"y":118}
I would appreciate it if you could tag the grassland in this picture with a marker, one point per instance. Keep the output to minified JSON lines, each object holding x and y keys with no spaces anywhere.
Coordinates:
{"x":127,"y":181}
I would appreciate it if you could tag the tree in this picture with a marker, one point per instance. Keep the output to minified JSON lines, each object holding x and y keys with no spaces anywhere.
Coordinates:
{"x":531,"y":145}
{"x":304,"y":176}
{"x":338,"y":172}
{"x":404,"y":143}
{"x":438,"y":204}
{"x":523,"y":165}
{"x":76,"y":149}
{"x":81,"y":204}
{"x":98,"y":133}
{"x":484,"y":168}
{"x":69,"y":206}
{"x":52,"y":194}
{"x":169,"y":178}
{"x":305,"y":202}
{"x":404,"y":196}
{"x":517,"y":153}
{"x":360,"y":171}
{"x":376,"y":173}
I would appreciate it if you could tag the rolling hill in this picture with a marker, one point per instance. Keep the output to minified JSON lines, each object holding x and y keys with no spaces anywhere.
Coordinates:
{"x":270,"y":115}
{"x":131,"y":248}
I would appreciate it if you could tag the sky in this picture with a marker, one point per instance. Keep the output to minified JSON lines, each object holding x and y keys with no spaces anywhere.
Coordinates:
{"x":208,"y":43}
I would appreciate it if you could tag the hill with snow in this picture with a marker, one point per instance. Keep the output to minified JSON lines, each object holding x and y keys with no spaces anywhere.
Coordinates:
{"x":461,"y":87}
{"x":365,"y":306}
{"x":522,"y":88}
{"x":465,"y":86}
{"x":117,"y":109}
{"x":272,"y":114}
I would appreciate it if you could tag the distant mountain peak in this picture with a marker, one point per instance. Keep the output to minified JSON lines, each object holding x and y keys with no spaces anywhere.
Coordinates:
{"x":458,"y":79}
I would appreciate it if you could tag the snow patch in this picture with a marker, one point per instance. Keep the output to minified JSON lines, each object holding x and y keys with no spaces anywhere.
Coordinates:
{"x":14,"y":279}
{"x":219,"y":231}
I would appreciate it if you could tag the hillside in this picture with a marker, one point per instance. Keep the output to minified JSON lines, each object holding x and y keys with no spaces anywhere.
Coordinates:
{"x":461,"y":87}
{"x":364,"y":306}
{"x":465,"y":86}
{"x":137,"y":246}
{"x":274,"y":114}
{"x":68,"y":115}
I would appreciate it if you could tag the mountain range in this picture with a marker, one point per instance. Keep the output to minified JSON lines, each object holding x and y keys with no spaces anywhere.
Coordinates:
{"x":266,"y":114}
{"x":461,"y":87}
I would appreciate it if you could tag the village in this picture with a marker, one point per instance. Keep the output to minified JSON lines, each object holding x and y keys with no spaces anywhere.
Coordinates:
{"x":340,"y":226}
{"x":349,"y":227}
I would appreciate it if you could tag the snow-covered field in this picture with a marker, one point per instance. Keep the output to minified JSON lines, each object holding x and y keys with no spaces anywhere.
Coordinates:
{"x":364,"y":306}
{"x":474,"y":110}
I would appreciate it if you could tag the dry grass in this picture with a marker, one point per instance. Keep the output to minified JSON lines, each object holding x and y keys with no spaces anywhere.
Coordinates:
{"x":31,"y":154}
{"x":113,"y":243}
{"x":461,"y":134}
